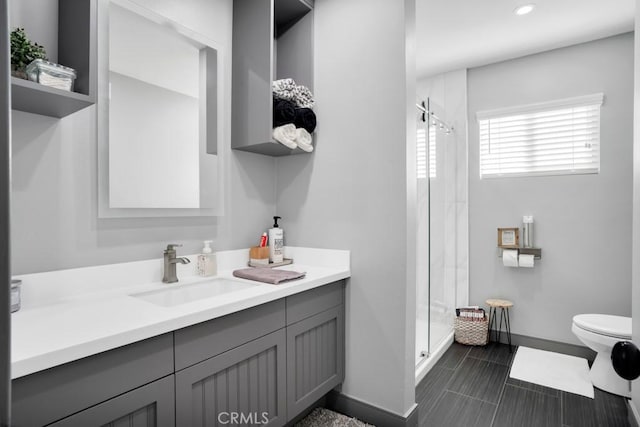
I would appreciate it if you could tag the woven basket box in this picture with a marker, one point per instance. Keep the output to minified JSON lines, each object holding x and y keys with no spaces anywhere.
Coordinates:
{"x":471,"y":332}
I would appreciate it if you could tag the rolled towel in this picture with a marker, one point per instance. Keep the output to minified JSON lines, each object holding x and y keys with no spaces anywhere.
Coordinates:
{"x":284,"y":112}
{"x":305,"y":118}
{"x":303,"y":97}
{"x":284,"y":88}
{"x":304,"y":140}
{"x":286,"y":135}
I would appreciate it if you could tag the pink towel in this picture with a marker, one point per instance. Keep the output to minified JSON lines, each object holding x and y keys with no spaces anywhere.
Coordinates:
{"x":268,"y":275}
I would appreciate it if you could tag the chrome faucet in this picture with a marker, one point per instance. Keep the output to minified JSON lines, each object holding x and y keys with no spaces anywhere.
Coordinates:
{"x":170,"y":261}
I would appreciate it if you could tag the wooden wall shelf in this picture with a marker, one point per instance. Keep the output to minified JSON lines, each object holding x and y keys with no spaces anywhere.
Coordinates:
{"x":536,"y":252}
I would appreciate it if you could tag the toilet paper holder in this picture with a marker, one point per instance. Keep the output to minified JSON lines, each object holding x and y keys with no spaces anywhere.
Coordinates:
{"x":536,"y":252}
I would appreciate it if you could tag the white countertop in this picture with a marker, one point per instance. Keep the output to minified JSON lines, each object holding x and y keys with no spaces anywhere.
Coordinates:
{"x":70,"y":314}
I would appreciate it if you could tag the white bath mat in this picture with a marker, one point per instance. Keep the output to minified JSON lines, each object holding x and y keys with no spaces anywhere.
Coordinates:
{"x":554,"y":370}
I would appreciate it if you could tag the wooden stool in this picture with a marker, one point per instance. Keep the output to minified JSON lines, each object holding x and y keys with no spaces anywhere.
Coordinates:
{"x":503,"y":305}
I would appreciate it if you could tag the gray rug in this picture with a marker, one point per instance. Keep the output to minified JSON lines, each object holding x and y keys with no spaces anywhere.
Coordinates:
{"x":321,"y":417}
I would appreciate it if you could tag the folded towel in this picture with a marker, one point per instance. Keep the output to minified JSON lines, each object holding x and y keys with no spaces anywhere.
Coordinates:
{"x":286,"y":135}
{"x":268,"y":275}
{"x":306,"y":119}
{"x":304,"y":140}
{"x":284,"y":112}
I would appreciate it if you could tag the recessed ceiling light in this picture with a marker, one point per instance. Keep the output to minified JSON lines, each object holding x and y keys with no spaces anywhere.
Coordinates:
{"x":524,"y":9}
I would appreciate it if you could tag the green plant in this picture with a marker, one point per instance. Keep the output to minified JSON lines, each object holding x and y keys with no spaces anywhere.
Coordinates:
{"x":23,"y":51}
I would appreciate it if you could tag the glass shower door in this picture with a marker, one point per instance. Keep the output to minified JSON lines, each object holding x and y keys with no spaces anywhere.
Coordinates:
{"x":422,"y":246}
{"x":442,"y":231}
{"x":435,"y":269}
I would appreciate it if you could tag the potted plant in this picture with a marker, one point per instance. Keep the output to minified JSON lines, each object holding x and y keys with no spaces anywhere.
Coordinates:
{"x":23,"y":52}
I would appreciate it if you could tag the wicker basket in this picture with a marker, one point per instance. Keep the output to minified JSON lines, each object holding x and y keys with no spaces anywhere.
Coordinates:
{"x":471,"y":332}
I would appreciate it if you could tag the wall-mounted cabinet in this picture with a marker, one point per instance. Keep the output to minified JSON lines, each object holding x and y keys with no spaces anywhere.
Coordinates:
{"x":76,"y":48}
{"x":271,"y":40}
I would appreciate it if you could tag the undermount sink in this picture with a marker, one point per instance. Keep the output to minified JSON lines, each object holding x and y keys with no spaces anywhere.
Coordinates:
{"x":182,"y":294}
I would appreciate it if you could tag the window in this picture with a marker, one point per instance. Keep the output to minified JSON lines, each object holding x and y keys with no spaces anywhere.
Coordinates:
{"x":550,"y":138}
{"x":422,"y":153}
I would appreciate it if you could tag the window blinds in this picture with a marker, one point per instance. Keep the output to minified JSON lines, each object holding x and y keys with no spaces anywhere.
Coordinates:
{"x":422,"y":153}
{"x":551,"y":138}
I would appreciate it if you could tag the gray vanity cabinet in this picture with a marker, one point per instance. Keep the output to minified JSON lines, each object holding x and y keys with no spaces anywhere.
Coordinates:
{"x":149,"y":406}
{"x":248,"y":381}
{"x":260,"y":366}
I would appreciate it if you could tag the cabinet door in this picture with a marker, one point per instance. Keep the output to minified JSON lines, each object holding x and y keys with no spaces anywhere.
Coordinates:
{"x":150,"y":405}
{"x":315,"y":358}
{"x":243,"y":386}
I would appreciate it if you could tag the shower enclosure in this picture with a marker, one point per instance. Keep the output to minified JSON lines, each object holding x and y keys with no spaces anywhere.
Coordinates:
{"x":436,"y":267}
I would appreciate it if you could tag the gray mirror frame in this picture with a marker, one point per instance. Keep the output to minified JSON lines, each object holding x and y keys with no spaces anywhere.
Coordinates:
{"x":102,"y":124}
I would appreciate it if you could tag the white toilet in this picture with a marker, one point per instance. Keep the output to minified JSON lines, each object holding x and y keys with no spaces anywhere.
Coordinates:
{"x":600,"y":332}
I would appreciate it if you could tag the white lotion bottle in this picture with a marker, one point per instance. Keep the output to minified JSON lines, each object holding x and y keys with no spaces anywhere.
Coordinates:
{"x":276,"y":242}
{"x":207,"y":261}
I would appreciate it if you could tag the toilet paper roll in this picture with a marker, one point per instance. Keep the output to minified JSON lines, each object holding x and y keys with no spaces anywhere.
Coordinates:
{"x":526,"y":260}
{"x":510,"y":257}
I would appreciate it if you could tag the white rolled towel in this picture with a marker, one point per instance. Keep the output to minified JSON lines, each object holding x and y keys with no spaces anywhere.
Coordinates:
{"x":286,"y":135}
{"x":304,"y":140}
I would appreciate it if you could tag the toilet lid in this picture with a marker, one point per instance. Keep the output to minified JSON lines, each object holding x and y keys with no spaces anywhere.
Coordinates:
{"x":605,"y":324}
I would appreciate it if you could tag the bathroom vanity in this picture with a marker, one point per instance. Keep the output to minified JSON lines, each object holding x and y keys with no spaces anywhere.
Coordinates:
{"x":269,"y":361}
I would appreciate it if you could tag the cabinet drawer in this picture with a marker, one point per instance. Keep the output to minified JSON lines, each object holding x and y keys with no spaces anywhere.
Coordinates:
{"x":200,"y":342}
{"x":306,"y":304}
{"x":152,"y":405}
{"x":55,"y":393}
{"x":248,"y":381}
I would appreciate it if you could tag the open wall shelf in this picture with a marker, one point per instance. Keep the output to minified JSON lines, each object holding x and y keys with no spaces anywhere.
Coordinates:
{"x":536,"y":252}
{"x":76,"y":42}
{"x":39,"y":99}
{"x":265,"y":50}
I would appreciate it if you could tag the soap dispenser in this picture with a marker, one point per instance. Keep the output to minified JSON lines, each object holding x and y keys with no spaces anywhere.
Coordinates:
{"x":276,"y":242}
{"x":207,"y":260}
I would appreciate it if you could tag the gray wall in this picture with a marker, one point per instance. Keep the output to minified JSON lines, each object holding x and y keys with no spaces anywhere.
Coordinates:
{"x":582,"y":222}
{"x":5,"y":229}
{"x":352,"y":192}
{"x":54,"y":202}
{"x":635,"y":392}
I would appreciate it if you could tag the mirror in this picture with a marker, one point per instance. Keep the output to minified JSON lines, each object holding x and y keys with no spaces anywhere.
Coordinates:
{"x":158,"y":116}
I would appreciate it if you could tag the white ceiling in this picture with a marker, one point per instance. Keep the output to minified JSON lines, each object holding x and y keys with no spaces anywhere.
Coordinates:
{"x":454,"y":34}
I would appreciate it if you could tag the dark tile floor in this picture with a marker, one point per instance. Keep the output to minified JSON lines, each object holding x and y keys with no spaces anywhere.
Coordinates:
{"x":470,"y":386}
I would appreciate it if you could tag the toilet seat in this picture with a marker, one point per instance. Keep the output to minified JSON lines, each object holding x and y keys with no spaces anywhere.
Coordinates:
{"x":605,"y":324}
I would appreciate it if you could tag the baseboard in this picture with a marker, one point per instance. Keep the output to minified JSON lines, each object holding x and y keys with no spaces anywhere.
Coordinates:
{"x":632,"y":414}
{"x":368,"y":413}
{"x":548,"y":345}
